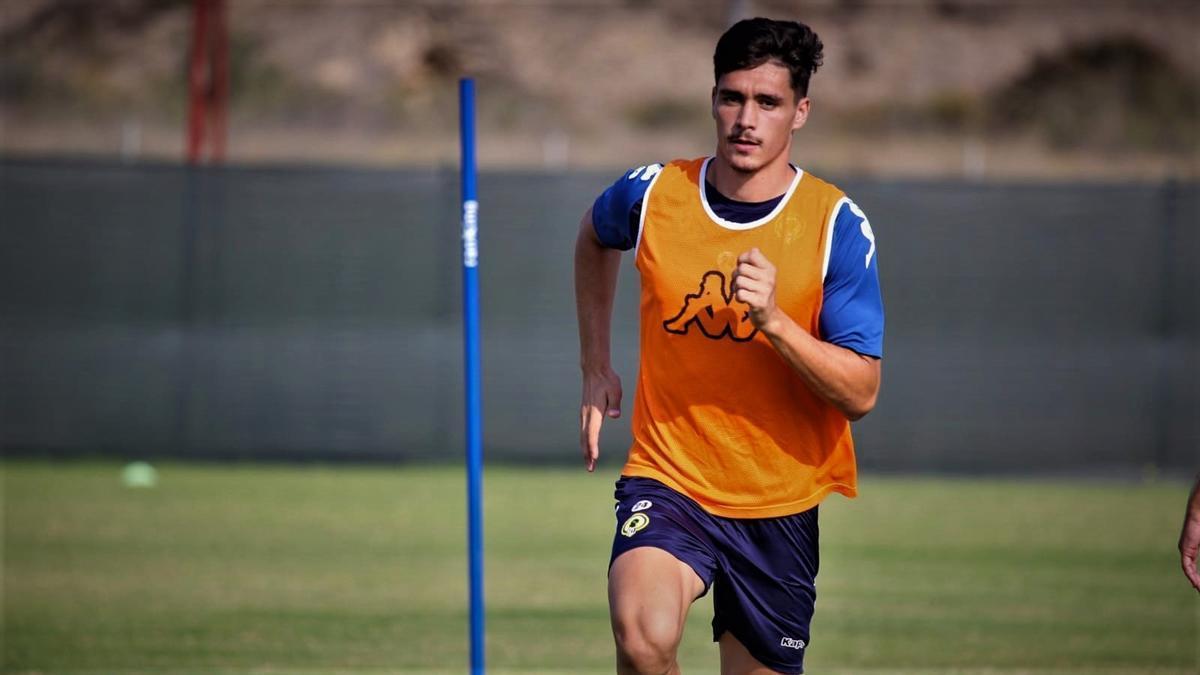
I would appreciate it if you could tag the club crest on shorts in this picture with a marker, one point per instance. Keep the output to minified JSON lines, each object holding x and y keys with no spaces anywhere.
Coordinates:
{"x":636,"y":523}
{"x":642,"y":505}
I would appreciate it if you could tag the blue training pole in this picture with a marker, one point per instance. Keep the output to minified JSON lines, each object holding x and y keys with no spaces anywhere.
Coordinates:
{"x":470,"y":242}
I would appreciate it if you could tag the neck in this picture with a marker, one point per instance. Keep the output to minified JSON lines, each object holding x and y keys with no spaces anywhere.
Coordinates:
{"x":757,"y":186}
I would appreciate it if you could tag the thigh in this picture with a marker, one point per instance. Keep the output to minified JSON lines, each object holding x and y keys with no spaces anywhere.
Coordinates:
{"x":649,"y":593}
{"x":737,"y":660}
{"x":661,"y":561}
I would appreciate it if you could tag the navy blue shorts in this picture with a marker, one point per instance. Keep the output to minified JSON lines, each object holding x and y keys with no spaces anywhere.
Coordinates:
{"x":761,"y":571}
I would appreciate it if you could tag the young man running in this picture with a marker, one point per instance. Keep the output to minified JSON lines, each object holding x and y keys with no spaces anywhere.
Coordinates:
{"x":761,"y":338}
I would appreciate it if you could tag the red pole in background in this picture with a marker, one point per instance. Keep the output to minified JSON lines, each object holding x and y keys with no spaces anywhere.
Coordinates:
{"x":197,"y":81}
{"x":220,"y":87}
{"x":208,"y":81}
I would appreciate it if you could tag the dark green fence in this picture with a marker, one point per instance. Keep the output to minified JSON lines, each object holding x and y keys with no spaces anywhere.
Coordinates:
{"x":157,"y":310}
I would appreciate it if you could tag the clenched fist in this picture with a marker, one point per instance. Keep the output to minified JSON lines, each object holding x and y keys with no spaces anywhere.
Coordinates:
{"x":754,"y":284}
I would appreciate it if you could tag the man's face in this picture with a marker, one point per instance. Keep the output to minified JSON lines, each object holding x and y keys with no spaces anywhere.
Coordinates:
{"x":756,"y":112}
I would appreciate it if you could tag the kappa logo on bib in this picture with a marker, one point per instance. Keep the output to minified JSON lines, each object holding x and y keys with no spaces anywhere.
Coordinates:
{"x":714,"y":312}
{"x":636,"y":523}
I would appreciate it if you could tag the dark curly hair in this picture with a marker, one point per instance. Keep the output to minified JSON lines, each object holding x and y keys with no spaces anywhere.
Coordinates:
{"x":752,"y":42}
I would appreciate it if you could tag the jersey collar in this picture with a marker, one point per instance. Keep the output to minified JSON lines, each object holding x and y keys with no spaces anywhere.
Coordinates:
{"x":729,"y":224}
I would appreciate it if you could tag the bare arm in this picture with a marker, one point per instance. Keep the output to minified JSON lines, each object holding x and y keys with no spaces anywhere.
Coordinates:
{"x":596,"y":270}
{"x":845,"y":379}
{"x":1189,"y":538}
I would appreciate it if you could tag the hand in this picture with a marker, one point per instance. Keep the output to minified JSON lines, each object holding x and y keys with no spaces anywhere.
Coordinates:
{"x":1189,"y":538}
{"x":754,"y":284}
{"x":601,"y":397}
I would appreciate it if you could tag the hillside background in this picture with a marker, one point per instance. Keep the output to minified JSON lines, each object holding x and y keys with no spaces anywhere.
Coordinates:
{"x":938,"y":88}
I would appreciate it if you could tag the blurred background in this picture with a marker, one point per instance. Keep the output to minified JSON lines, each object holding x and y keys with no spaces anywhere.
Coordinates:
{"x":1030,"y":168}
{"x":939,"y":88}
{"x":229,"y":231}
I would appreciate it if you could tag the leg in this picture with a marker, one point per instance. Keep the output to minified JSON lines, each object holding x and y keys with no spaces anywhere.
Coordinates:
{"x":764,"y":595}
{"x":649,"y":593}
{"x":735,"y":660}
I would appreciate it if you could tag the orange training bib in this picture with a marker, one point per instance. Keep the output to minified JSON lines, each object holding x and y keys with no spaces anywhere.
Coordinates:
{"x":719,"y":415}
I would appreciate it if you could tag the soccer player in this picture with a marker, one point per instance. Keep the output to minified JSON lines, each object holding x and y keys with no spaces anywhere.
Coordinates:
{"x":761,"y":338}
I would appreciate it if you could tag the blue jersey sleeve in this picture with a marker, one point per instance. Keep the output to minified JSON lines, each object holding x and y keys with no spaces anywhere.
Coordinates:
{"x":852,"y":310}
{"x":617,"y":211}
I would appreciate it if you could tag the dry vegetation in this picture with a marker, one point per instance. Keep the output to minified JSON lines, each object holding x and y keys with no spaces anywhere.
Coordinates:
{"x":923,"y":87}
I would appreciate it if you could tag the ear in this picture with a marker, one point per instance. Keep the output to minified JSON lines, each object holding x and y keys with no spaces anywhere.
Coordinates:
{"x":801,"y":115}
{"x":714,"y":103}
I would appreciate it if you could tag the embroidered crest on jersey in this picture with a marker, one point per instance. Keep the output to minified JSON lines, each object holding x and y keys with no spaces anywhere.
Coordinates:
{"x":713,"y":312}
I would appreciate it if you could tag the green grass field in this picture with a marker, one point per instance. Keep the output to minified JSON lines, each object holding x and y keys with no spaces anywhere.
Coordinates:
{"x":282,"y":569}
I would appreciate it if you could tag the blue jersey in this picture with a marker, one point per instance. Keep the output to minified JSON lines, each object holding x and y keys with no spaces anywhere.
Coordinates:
{"x":852,"y":306}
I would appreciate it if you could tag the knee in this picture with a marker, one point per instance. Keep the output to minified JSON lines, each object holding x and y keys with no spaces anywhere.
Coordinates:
{"x":646,"y":644}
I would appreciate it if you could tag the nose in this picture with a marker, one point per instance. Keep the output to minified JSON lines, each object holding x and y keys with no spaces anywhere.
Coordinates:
{"x":747,"y":116}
